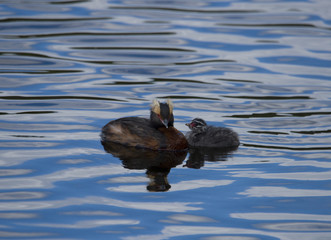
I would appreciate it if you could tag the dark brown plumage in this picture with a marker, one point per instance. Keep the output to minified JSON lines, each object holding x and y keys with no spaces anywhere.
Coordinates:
{"x":156,"y":133}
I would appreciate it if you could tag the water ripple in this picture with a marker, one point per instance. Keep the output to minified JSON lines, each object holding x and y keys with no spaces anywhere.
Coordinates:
{"x":260,"y":68}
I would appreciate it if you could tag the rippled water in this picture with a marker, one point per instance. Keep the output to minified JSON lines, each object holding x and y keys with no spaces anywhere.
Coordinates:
{"x":262,"y":68}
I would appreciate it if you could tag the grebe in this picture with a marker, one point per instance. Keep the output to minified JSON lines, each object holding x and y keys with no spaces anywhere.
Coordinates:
{"x":156,"y":133}
{"x":202,"y":135}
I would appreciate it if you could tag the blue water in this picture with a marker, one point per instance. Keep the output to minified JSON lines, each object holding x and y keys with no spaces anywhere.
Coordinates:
{"x":262,"y":68}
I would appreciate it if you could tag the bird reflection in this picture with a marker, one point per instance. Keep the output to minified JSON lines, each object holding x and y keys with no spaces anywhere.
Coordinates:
{"x":157,"y":163}
{"x":198,"y":155}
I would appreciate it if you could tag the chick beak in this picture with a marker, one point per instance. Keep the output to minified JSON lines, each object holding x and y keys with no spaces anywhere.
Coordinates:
{"x":187,"y":124}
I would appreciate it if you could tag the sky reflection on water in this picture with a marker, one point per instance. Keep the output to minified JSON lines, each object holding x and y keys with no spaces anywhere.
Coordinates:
{"x":261,"y":68}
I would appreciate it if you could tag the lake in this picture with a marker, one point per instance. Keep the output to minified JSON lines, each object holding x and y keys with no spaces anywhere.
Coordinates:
{"x":261,"y":68}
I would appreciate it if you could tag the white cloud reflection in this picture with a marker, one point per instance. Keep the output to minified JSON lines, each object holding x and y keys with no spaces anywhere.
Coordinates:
{"x":180,"y":231}
{"x":199,"y":183}
{"x":304,"y":176}
{"x":284,"y":192}
{"x":88,"y":223}
{"x":180,"y":218}
{"x":180,"y":186}
{"x":17,"y":157}
{"x":55,"y":204}
{"x":267,"y":216}
{"x":69,"y":174}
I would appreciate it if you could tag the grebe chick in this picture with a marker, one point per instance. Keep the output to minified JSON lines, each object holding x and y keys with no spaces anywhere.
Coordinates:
{"x":156,"y":133}
{"x":202,"y":135}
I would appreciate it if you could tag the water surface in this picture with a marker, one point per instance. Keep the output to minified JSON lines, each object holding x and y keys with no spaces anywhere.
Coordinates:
{"x":261,"y":68}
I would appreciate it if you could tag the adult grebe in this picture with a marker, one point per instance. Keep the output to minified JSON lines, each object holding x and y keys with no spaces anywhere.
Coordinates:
{"x":156,"y":133}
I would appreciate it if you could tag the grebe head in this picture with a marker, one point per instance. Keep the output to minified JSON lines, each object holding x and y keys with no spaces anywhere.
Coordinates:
{"x":197,"y":125}
{"x":161,"y":114}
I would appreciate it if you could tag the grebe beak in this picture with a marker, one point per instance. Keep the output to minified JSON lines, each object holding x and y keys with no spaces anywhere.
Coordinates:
{"x":165,"y":122}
